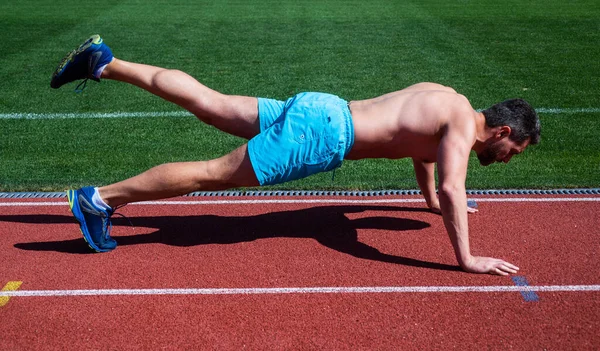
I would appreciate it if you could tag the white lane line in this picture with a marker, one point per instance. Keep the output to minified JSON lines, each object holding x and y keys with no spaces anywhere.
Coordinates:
{"x":567,"y":110}
{"x":309,"y":201}
{"x":152,"y":114}
{"x":305,"y":290}
{"x":549,"y":199}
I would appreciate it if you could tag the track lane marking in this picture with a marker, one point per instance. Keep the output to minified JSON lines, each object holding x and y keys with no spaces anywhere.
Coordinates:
{"x":8,"y":288}
{"x":307,"y":290}
{"x":528,"y":296}
{"x":310,"y":201}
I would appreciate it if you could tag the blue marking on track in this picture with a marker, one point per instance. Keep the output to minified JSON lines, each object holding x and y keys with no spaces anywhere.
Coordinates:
{"x":529,"y":296}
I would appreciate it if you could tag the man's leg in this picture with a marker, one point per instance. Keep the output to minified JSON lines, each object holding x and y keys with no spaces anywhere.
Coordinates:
{"x":174,"y":179}
{"x":237,"y":115}
{"x":93,"y":207}
{"x":93,"y":59}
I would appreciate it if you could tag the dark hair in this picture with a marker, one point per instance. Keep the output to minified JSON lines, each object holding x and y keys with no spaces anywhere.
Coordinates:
{"x":519,"y":116}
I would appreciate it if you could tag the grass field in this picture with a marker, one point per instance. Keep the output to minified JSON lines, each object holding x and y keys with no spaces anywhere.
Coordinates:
{"x":543,"y":51}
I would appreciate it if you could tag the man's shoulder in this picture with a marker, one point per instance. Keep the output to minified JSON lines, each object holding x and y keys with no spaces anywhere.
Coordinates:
{"x":460,"y":117}
{"x":451,"y":107}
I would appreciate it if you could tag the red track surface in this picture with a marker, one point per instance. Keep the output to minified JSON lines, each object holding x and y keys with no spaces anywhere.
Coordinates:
{"x":300,"y":245}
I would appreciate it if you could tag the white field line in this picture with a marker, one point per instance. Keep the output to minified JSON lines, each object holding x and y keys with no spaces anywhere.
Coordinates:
{"x":150,"y":114}
{"x":308,"y":201}
{"x":305,"y":290}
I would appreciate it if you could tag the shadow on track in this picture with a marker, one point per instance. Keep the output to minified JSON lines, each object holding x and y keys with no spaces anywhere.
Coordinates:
{"x":326,"y":224}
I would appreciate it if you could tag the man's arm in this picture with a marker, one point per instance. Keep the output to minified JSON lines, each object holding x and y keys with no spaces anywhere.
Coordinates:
{"x":425,"y":174}
{"x":453,"y":159}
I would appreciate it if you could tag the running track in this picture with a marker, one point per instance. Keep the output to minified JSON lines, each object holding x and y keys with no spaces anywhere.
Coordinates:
{"x":343,"y":273}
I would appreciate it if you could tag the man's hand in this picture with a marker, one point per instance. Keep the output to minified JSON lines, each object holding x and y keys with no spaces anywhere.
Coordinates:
{"x":489,"y":265}
{"x":472,"y":210}
{"x":435,"y":208}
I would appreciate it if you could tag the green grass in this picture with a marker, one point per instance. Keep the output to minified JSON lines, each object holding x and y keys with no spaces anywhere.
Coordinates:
{"x":543,"y":51}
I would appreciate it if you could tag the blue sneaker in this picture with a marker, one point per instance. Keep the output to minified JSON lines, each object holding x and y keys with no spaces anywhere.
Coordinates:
{"x":94,"y":223}
{"x":82,"y":63}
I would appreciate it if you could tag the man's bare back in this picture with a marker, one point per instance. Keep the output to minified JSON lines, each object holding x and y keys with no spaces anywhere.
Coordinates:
{"x":406,"y":123}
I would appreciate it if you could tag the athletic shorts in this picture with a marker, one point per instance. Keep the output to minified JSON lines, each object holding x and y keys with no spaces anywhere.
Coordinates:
{"x":307,"y":134}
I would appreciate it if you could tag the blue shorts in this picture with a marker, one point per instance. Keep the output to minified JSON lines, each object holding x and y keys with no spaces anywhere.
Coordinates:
{"x":307,"y":134}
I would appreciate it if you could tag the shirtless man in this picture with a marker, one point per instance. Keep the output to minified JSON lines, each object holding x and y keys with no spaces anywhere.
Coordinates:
{"x":307,"y":134}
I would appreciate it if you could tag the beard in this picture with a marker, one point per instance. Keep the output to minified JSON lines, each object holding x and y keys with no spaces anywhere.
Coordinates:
{"x":489,"y":155}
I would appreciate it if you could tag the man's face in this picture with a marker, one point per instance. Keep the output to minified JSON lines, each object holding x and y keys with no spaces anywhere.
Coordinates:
{"x":500,"y":151}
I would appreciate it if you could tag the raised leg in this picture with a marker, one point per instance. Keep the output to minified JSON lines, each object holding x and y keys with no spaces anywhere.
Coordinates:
{"x":237,"y":115}
{"x":175,"y":179}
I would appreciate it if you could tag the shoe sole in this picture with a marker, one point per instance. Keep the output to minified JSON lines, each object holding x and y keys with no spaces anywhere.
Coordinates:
{"x":86,"y":237}
{"x":94,"y":39}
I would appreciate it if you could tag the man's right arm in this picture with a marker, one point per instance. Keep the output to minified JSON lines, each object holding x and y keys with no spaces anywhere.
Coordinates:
{"x":453,"y":158}
{"x":452,"y":167}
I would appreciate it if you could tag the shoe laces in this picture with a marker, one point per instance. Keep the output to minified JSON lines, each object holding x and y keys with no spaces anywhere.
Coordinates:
{"x":81,"y":85}
{"x":107,"y":223}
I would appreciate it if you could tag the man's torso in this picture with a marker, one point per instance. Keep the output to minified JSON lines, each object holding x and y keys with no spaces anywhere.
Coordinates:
{"x":406,"y":123}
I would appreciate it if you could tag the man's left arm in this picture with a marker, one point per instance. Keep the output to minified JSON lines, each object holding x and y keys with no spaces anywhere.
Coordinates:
{"x":425,"y":174}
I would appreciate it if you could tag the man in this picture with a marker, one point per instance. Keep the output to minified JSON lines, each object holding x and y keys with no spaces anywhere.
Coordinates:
{"x":307,"y":134}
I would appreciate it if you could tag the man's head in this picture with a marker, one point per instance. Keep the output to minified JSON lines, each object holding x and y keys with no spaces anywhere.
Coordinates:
{"x":515,"y":125}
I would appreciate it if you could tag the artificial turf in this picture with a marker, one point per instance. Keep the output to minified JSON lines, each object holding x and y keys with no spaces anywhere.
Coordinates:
{"x":543,"y":51}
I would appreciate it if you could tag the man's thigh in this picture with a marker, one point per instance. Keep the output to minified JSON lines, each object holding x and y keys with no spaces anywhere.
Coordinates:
{"x":232,"y":170}
{"x":236,"y":115}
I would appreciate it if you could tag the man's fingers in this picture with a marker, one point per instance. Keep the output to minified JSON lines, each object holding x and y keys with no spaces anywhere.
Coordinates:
{"x":469,"y":210}
{"x":508,"y":269}
{"x":505,"y":268}
{"x":491,"y":266}
{"x":500,"y":272}
{"x":511,"y":266}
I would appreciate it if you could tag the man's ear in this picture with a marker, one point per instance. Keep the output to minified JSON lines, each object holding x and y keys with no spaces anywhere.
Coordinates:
{"x":503,"y":132}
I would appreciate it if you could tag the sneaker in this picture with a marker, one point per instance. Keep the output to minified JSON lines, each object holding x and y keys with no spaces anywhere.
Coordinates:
{"x":94,"y":223}
{"x":82,"y":62}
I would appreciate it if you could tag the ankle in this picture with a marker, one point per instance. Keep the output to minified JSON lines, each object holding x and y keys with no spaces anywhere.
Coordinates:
{"x":99,"y":201}
{"x":106,"y":71}
{"x":108,"y":198}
